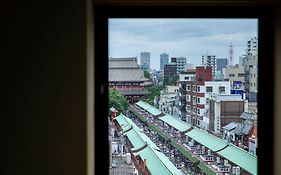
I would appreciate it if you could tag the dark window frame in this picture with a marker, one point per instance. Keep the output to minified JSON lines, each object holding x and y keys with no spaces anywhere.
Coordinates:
{"x":103,"y":11}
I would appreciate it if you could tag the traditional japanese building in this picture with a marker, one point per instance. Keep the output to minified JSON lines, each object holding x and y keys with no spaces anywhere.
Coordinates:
{"x":127,"y":77}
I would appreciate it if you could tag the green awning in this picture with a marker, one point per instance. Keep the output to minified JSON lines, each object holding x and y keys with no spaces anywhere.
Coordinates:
{"x":241,"y":158}
{"x":175,"y":122}
{"x":234,"y":154}
{"x":143,"y":105}
{"x":154,"y":111}
{"x":151,"y":109}
{"x":212,"y":142}
{"x":156,"y":161}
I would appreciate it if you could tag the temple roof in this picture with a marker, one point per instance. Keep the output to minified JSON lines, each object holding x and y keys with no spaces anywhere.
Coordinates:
{"x":125,"y":70}
{"x":123,"y":62}
{"x":126,"y":75}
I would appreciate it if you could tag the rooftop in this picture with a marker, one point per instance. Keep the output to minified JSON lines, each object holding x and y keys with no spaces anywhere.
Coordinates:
{"x":156,"y":161}
{"x":126,"y":75}
{"x":227,"y":150}
{"x":133,"y":92}
{"x":123,"y":62}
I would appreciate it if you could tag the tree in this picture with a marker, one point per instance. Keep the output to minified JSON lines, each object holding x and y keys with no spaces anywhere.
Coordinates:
{"x":170,"y":80}
{"x":117,"y":100}
{"x":154,"y":90}
{"x":147,"y":74}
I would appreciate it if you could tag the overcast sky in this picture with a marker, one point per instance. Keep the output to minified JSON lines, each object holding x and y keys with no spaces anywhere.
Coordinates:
{"x":190,"y":38}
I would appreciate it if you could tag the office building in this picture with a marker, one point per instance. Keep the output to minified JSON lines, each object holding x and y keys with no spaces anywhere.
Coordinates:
{"x":211,"y":61}
{"x":180,"y":63}
{"x":164,"y":59}
{"x":145,"y":60}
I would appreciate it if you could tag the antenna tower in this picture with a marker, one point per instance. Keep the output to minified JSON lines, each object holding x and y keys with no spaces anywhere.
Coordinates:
{"x":230,"y":55}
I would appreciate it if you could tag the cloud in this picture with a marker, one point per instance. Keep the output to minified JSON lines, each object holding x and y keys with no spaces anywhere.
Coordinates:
{"x":190,"y":38}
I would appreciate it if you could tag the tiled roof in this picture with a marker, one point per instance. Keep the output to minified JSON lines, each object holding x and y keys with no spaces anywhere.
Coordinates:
{"x":123,"y":62}
{"x":243,"y":128}
{"x":126,"y":74}
{"x":133,"y":92}
{"x":230,"y":126}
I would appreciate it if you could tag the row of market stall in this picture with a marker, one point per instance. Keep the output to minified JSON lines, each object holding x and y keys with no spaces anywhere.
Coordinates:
{"x":212,"y":154}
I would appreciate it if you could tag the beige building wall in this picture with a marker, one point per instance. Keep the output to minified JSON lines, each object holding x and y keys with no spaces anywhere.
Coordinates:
{"x":234,"y":74}
{"x":253,"y":79}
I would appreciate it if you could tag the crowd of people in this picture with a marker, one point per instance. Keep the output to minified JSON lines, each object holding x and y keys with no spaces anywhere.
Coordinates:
{"x":165,"y":147}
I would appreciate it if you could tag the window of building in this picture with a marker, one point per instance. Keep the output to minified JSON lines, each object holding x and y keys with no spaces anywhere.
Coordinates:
{"x":207,"y":100}
{"x":194,"y":99}
{"x":221,"y":89}
{"x":186,"y":78}
{"x":188,"y":87}
{"x":198,"y":100}
{"x":188,"y":108}
{"x":187,"y":97}
{"x":209,"y":89}
{"x":198,"y":122}
{"x":194,"y":88}
{"x":198,"y":111}
{"x":198,"y":88}
{"x":240,"y":75}
{"x":194,"y":110}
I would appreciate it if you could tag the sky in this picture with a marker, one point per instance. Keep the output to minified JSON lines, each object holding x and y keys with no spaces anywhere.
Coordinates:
{"x":190,"y":38}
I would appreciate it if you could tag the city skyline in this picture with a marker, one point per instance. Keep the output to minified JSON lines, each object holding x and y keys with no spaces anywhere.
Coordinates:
{"x":190,"y":38}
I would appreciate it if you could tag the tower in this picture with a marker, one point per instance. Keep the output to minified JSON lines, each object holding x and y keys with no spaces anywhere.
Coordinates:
{"x":230,"y":61}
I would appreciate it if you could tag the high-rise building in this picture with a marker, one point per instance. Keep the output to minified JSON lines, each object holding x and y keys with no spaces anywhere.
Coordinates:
{"x":145,"y":60}
{"x":170,"y":70}
{"x":180,"y":62}
{"x":252,"y":46}
{"x":210,"y":60}
{"x":250,"y":63}
{"x":221,"y":63}
{"x":164,"y":59}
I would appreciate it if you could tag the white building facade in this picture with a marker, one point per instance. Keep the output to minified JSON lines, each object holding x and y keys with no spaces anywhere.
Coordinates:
{"x":210,"y":60}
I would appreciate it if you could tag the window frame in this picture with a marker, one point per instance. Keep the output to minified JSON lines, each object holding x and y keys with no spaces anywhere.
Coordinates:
{"x":103,"y":11}
{"x":209,"y":87}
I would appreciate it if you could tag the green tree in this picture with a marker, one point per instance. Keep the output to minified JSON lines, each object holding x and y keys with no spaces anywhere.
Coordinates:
{"x":147,"y":74}
{"x":170,"y":80}
{"x":154,"y":90}
{"x":117,"y":100}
